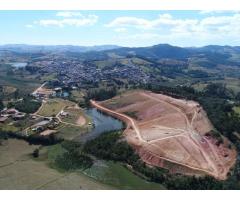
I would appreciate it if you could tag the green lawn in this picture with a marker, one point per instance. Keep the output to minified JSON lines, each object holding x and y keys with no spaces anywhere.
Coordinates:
{"x":6,"y":127}
{"x":69,"y":132}
{"x":73,"y":116}
{"x":118,"y":176}
{"x":53,"y":106}
{"x":237,"y":109}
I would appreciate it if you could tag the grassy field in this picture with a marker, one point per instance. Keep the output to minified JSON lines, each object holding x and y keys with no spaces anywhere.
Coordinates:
{"x":109,"y":173}
{"x":20,"y":171}
{"x":237,"y":109}
{"x":24,"y":82}
{"x":77,"y":95}
{"x":118,"y":176}
{"x":231,"y":83}
{"x":199,"y":86}
{"x":48,"y":77}
{"x":73,"y":116}
{"x":7,"y":127}
{"x":7,"y":90}
{"x":69,"y":132}
{"x":53,"y":106}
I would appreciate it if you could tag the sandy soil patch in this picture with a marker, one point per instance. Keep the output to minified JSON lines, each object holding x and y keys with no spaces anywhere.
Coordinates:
{"x":47,"y":132}
{"x":81,"y":121}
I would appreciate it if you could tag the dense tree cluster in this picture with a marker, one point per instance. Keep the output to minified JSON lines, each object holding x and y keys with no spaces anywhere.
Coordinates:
{"x":101,"y":94}
{"x":108,"y":147}
{"x":27,"y":105}
{"x":1,"y":105}
{"x":73,"y":157}
{"x":33,"y":139}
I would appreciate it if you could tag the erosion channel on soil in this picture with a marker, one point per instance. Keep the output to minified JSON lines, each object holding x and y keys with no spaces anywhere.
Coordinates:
{"x":171,"y":133}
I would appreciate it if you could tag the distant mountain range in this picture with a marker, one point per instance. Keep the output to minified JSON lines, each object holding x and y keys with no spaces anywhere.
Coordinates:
{"x":23,"y":48}
{"x":207,"y":56}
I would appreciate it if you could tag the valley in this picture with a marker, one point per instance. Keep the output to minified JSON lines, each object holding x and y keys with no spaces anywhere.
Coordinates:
{"x":163,"y":117}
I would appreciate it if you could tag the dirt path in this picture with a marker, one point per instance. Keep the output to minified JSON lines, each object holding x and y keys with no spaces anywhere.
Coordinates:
{"x":41,"y":86}
{"x":43,"y":102}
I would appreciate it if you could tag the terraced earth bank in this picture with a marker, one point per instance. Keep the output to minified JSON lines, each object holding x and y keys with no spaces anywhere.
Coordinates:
{"x":171,"y":133}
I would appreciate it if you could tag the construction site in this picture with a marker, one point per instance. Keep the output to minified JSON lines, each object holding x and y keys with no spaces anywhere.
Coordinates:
{"x":171,"y":133}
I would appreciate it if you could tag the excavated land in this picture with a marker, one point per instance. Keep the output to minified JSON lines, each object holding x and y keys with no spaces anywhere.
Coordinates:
{"x":171,"y":133}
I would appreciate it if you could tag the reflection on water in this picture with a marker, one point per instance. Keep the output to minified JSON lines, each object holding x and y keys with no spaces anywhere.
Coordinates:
{"x":102,"y":123}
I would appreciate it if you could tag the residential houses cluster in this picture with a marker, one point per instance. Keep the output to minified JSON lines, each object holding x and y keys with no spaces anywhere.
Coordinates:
{"x":79,"y":73}
{"x":11,"y":113}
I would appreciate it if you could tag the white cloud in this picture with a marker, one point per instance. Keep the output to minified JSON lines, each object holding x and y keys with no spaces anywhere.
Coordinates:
{"x":213,"y":29}
{"x":128,"y":21}
{"x":212,"y":12}
{"x":167,"y":24}
{"x":69,"y":22}
{"x":161,"y":22}
{"x":68,"y":19}
{"x":206,"y":12}
{"x":68,"y":14}
{"x":29,"y":26}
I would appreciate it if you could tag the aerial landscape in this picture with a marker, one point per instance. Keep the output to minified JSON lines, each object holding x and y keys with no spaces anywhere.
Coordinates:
{"x":153,"y":103}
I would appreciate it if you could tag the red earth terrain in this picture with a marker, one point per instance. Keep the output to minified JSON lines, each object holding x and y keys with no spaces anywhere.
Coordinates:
{"x":171,"y":133}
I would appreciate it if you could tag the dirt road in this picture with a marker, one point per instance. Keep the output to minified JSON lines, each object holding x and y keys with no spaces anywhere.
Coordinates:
{"x":128,"y":120}
{"x":41,"y":86}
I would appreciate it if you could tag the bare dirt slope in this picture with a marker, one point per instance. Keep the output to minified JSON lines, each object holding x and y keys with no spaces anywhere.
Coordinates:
{"x":171,"y":133}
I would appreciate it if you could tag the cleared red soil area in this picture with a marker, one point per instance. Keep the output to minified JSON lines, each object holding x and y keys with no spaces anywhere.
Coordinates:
{"x":171,"y":133}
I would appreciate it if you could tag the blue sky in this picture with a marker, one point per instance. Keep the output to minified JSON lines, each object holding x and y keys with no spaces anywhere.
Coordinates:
{"x":125,"y":28}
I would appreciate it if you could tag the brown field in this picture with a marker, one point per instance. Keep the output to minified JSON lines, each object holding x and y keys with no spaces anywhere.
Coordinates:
{"x":171,"y":133}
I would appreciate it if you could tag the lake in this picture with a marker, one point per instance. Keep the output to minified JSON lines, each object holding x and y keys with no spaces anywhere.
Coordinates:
{"x":102,"y":123}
